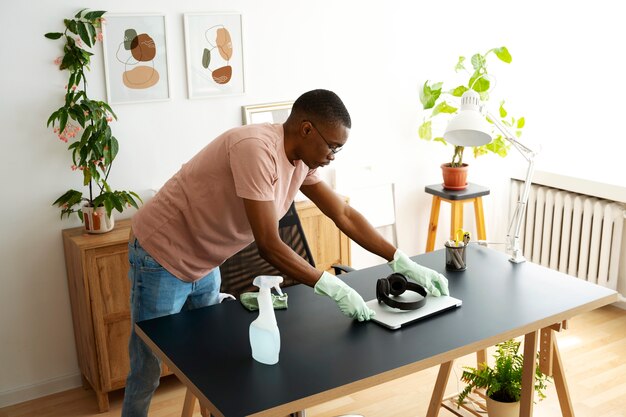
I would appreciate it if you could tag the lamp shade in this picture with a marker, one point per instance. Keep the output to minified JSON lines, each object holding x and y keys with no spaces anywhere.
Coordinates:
{"x":468,"y":127}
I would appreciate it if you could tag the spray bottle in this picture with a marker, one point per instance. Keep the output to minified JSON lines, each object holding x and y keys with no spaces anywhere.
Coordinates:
{"x":264,"y":334}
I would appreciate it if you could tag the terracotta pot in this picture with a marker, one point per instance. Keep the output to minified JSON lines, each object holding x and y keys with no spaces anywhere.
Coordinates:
{"x":499,"y":409}
{"x":454,"y":178}
{"x":96,"y":220}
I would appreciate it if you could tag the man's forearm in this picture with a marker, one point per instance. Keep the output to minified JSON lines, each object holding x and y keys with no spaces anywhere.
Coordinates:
{"x":283,"y":258}
{"x":357,"y":228}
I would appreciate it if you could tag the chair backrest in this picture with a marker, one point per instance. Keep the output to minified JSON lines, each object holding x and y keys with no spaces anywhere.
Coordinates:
{"x":239,"y":270}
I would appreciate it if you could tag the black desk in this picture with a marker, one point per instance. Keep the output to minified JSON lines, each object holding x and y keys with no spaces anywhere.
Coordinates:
{"x":324,"y":355}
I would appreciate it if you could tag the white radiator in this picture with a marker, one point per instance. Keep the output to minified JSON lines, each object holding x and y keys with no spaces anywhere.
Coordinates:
{"x":577,"y":234}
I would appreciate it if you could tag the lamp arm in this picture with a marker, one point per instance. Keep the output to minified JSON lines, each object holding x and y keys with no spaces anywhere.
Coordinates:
{"x":513,"y":231}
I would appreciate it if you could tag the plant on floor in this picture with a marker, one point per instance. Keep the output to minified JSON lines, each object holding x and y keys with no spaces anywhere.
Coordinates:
{"x":95,"y":149}
{"x":503,"y":382}
{"x":437,"y":101}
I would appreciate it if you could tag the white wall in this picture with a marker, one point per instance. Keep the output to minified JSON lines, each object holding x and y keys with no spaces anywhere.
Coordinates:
{"x":565,"y":79}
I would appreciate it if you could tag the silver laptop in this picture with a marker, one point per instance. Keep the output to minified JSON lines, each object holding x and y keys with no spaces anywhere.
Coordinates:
{"x":394,"y":318}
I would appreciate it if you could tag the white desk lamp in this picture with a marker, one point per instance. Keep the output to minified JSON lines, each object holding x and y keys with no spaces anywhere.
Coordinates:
{"x":470,"y":128}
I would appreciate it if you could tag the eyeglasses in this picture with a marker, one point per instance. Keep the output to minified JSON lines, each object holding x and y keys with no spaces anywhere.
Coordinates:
{"x":333,"y":149}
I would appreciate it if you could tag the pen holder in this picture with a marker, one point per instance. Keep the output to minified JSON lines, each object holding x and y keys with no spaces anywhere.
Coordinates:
{"x":455,"y":258}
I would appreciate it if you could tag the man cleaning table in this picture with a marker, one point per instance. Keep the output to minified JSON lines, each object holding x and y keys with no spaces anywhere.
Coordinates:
{"x":231,"y":193}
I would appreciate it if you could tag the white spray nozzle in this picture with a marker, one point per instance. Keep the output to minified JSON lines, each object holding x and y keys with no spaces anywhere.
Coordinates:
{"x":278,"y":290}
{"x":268,"y":281}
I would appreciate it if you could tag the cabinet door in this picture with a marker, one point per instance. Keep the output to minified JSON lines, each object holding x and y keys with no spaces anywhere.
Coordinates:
{"x":328,"y":244}
{"x":107,"y":269}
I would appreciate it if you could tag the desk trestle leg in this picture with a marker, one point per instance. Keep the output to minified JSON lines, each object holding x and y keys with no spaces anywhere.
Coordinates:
{"x":440,"y":388}
{"x":189,"y":405}
{"x":552,"y":365}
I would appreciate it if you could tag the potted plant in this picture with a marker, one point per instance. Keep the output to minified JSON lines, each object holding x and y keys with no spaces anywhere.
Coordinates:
{"x":84,"y":124}
{"x":439,"y":102}
{"x":503,"y":382}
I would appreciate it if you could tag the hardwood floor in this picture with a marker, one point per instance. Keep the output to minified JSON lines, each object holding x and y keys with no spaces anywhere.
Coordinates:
{"x":593,"y":351}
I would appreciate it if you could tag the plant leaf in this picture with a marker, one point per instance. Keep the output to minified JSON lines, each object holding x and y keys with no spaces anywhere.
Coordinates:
{"x":83,"y":33}
{"x":458,"y":91}
{"x":503,"y":111}
{"x":71,"y":25}
{"x":429,"y":94}
{"x":52,"y":118}
{"x":478,"y":62}
{"x":503,"y":54}
{"x":425,"y":131}
{"x":94,"y":14}
{"x":70,"y":196}
{"x":53,"y":35}
{"x":478,"y":82}
{"x":444,"y":107}
{"x":62,"y":120}
{"x":92,"y":33}
{"x":114,"y":148}
{"x":460,"y":66}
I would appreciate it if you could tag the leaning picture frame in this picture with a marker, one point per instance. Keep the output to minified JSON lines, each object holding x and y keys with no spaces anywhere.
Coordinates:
{"x":214,"y":54}
{"x":266,"y":113}
{"x":136,"y":64}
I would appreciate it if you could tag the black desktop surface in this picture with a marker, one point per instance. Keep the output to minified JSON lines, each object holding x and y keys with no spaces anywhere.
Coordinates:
{"x":321,"y":349}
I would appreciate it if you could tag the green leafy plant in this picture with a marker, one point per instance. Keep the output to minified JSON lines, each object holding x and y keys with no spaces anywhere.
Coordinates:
{"x":437,"y":102}
{"x":93,"y":150}
{"x":503,"y":382}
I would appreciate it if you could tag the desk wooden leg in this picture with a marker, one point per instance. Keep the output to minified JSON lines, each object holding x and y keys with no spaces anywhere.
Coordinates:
{"x":190,"y":402}
{"x":528,"y":374}
{"x":480,"y":218}
{"x":432,"y":226}
{"x":440,"y":388}
{"x":457,"y":218}
{"x":561,"y":385}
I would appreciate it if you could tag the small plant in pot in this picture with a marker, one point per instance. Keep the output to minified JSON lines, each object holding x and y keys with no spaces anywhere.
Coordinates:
{"x":84,"y":124}
{"x":503,"y":382}
{"x":439,"y":103}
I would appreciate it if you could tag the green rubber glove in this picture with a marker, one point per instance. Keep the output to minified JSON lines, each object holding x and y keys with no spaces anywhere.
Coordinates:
{"x":349,"y":301}
{"x":435,"y":283}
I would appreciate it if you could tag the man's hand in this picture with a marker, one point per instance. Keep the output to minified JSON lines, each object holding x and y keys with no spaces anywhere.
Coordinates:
{"x":349,"y":301}
{"x":433,"y":281}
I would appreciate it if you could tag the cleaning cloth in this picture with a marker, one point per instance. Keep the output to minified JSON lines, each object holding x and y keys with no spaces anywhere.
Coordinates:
{"x":250,"y":301}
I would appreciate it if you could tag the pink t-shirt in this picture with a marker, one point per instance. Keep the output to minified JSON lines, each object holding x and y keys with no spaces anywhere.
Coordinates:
{"x":197,"y":220}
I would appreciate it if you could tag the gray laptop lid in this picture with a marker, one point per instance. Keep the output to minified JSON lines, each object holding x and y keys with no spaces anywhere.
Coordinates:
{"x":394,"y":318}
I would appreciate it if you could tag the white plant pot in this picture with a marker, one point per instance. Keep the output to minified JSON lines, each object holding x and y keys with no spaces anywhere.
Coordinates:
{"x":499,"y":409}
{"x":96,"y":220}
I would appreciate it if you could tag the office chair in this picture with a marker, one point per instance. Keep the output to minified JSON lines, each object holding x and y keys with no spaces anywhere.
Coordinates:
{"x":239,"y":270}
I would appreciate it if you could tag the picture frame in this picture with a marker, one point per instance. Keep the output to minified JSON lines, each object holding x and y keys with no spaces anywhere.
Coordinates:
{"x":266,"y":113}
{"x":214,"y":54}
{"x":136,"y":65}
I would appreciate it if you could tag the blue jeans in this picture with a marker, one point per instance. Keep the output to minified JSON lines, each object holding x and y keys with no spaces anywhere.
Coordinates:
{"x":155,"y":293}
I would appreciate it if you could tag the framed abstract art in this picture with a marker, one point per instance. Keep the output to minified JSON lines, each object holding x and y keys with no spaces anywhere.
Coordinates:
{"x":214,"y":52}
{"x":135,"y":58}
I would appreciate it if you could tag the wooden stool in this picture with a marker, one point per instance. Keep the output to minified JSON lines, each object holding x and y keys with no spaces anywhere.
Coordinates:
{"x":472,"y":194}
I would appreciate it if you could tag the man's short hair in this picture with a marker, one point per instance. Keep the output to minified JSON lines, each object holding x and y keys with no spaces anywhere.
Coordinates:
{"x":324,"y":106}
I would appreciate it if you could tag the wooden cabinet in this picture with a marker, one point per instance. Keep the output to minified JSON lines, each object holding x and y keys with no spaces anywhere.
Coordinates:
{"x":97,"y":273}
{"x":328,"y":244}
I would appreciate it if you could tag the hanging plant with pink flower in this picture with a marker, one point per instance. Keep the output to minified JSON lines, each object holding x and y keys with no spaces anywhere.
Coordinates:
{"x":84,"y":123}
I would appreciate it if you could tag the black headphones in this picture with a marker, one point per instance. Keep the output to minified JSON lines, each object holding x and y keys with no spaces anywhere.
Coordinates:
{"x":396,"y":284}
